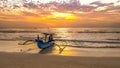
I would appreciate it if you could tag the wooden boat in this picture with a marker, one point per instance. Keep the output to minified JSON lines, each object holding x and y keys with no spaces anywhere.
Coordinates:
{"x":46,"y":43}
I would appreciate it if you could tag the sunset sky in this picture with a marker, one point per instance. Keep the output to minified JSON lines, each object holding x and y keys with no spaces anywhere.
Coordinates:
{"x":59,"y":13}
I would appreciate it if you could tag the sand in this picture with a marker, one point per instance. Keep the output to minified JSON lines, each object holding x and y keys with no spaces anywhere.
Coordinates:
{"x":23,"y":60}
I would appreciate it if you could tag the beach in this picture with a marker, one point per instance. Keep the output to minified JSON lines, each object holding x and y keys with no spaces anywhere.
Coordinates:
{"x":83,"y":53}
{"x":59,"y":33}
{"x":20,"y":60}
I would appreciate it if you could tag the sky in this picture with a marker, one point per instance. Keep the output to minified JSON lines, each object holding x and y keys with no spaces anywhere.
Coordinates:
{"x":59,"y":13}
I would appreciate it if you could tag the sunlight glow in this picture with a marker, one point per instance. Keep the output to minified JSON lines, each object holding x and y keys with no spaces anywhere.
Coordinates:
{"x":62,"y":30}
{"x":66,"y":52}
{"x":63,"y":15}
{"x":54,"y":17}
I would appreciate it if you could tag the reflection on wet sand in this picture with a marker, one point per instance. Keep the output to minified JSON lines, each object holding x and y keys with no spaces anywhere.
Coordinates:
{"x":55,"y":50}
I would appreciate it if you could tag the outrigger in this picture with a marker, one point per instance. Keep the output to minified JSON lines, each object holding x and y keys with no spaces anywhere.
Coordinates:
{"x":48,"y":42}
{"x":45,"y":42}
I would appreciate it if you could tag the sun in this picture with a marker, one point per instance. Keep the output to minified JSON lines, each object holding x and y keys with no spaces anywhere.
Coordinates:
{"x":54,"y":17}
{"x":66,"y":16}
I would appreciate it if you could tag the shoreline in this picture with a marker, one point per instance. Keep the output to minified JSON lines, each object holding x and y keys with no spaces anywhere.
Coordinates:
{"x":12,"y":46}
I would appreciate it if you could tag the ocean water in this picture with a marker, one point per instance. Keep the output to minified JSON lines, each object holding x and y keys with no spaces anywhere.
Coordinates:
{"x":82,"y":40}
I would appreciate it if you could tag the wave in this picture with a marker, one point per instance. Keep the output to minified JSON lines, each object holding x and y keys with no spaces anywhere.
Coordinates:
{"x":96,"y":46}
{"x":20,"y":31}
{"x":114,"y":39}
{"x":78,"y":43}
{"x":42,"y":31}
{"x":99,"y":32}
{"x":109,"y":41}
{"x":90,"y":41}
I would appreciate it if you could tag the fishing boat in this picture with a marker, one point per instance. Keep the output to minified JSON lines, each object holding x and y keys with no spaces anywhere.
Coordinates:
{"x":47,"y":42}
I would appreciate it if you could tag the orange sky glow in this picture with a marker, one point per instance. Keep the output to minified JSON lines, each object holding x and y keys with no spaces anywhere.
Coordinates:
{"x":59,"y":13}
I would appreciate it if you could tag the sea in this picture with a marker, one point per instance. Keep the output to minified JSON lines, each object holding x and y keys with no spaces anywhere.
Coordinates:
{"x":97,"y":42}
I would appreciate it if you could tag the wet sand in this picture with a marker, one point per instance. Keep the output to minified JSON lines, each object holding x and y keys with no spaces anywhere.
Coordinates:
{"x":24,"y":60}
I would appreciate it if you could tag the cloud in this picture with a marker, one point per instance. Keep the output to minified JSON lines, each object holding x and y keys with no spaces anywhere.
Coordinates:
{"x":55,"y":6}
{"x":106,"y":7}
{"x":52,"y":12}
{"x":29,"y":14}
{"x":99,"y":3}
